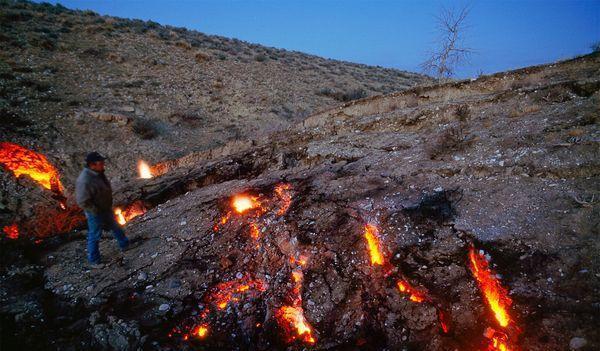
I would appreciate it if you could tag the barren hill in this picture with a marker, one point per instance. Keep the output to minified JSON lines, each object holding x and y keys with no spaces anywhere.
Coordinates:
{"x":75,"y":81}
{"x":460,"y":216}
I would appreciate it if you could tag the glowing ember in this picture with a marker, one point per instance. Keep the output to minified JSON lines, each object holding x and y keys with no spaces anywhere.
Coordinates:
{"x":283,"y":192}
{"x":295,"y":321}
{"x":11,"y":231}
{"x":414,"y":294}
{"x":227,"y":292}
{"x":243,"y":203}
{"x":144,"y":170}
{"x":495,"y":295}
{"x":371,"y":234}
{"x":21,"y":161}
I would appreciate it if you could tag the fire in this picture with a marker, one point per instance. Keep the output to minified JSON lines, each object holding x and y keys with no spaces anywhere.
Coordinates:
{"x":291,"y":318}
{"x":11,"y":231}
{"x":21,"y":161}
{"x":414,"y":294}
{"x":243,"y":203}
{"x":294,"y":319}
{"x":227,"y":292}
{"x":201,"y":331}
{"x":132,"y":211}
{"x":495,"y":295}
{"x":283,"y":192}
{"x":254,"y":231}
{"x":144,"y":170}
{"x":371,"y":234}
{"x":498,"y":341}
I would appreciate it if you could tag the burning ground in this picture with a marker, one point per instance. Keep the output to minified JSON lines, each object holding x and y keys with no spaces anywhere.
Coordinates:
{"x":454,"y":217}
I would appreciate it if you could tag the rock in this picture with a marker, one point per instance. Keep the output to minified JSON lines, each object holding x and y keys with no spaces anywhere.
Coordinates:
{"x":577,"y":343}
{"x":116,"y":335}
{"x":127,"y":108}
{"x":119,"y":119}
{"x":164,"y":307}
{"x":142,"y":276}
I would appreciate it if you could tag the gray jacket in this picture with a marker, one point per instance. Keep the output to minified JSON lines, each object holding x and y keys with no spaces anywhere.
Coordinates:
{"x":93,"y":192}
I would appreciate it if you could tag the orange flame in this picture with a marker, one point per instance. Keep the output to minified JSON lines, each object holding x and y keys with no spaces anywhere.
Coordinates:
{"x":495,"y":295}
{"x":254,"y":231}
{"x":144,"y":170}
{"x":11,"y":231}
{"x":201,"y":331}
{"x":294,"y":320}
{"x":120,"y":217}
{"x":414,"y":294}
{"x":371,"y":234}
{"x":243,"y":203}
{"x":283,"y":192}
{"x":21,"y":161}
{"x":227,"y":292}
{"x":132,"y":211}
{"x":498,"y":341}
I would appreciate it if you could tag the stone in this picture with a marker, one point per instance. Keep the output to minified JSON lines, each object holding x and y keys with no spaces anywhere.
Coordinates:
{"x":142,"y":276}
{"x":164,"y":307}
{"x":577,"y":343}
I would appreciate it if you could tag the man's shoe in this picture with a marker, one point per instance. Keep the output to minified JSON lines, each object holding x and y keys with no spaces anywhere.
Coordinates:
{"x":96,"y":265}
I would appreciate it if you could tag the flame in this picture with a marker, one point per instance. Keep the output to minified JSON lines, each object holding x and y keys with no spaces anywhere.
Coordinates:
{"x":132,"y":211}
{"x":144,"y":170}
{"x":227,"y":292}
{"x":243,"y":203}
{"x":371,"y":234}
{"x":414,"y":294}
{"x":294,"y":319}
{"x":283,"y":192}
{"x":498,"y":341}
{"x":201,"y":331}
{"x":495,"y":295}
{"x":21,"y":161}
{"x":254,"y":231}
{"x":11,"y":231}
{"x":120,"y":217}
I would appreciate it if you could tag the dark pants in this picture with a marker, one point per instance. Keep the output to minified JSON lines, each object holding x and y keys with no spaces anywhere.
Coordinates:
{"x":97,"y":222}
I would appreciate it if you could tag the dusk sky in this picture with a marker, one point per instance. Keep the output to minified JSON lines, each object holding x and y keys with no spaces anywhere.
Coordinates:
{"x":504,"y":34}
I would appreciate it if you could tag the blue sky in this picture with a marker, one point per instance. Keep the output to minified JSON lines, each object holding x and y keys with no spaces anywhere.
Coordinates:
{"x":390,"y":33}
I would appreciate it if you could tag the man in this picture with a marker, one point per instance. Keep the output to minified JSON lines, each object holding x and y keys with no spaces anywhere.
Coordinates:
{"x":94,"y":195}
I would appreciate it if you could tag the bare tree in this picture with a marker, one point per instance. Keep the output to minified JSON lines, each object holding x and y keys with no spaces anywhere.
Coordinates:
{"x":451,"y":51}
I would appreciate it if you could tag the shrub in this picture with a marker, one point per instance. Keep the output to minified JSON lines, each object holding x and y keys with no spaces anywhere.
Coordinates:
{"x":183,"y":44}
{"x":453,"y":138}
{"x":343,"y":96}
{"x":201,"y":57}
{"x":260,"y":58}
{"x":144,"y":128}
{"x":462,"y":112}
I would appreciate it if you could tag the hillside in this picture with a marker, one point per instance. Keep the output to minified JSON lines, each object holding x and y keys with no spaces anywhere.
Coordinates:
{"x":456,"y":216}
{"x":75,"y":81}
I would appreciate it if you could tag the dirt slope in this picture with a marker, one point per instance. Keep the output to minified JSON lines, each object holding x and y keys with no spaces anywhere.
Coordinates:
{"x":75,"y":81}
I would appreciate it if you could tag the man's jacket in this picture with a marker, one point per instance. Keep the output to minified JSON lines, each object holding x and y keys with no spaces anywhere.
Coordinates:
{"x":93,"y":192}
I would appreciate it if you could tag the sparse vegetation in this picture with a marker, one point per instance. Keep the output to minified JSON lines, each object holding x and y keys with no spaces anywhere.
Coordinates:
{"x":144,"y":128}
{"x":343,"y":96}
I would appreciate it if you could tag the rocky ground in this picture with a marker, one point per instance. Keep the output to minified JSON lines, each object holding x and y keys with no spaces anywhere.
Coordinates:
{"x":503,"y":168}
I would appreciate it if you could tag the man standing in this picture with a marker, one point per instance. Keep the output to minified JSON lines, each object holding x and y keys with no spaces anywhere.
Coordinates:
{"x":94,"y":195}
